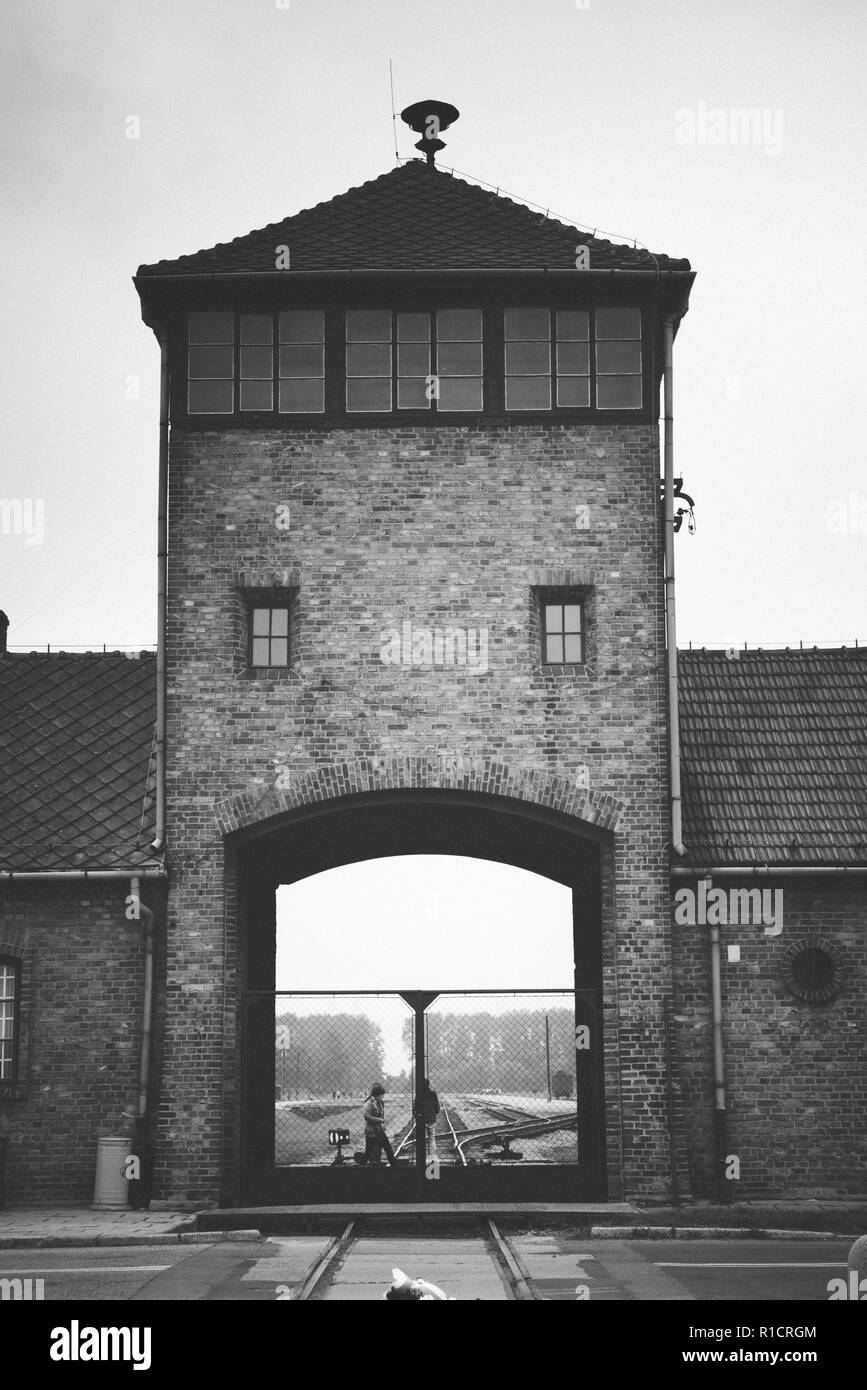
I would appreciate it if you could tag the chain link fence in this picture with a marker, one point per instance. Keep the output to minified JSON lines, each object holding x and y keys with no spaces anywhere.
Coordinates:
{"x":501,"y":1071}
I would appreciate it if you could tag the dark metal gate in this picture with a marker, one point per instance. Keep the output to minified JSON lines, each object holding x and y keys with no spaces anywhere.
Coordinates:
{"x":490,"y":1095}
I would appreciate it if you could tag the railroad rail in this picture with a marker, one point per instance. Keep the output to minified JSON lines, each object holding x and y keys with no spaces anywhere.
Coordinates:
{"x":517,"y":1279}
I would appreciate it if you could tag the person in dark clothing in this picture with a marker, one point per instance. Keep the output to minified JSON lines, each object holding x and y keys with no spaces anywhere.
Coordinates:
{"x":430,"y":1108}
{"x":376,"y":1140}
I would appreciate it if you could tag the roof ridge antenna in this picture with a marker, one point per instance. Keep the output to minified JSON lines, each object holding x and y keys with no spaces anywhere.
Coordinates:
{"x":427,"y":119}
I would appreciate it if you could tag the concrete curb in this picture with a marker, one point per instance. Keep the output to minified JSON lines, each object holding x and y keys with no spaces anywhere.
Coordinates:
{"x":167,"y":1238}
{"x":706,"y":1233}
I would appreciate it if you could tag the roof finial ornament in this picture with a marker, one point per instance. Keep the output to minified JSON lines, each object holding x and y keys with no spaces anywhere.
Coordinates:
{"x":428,"y":118}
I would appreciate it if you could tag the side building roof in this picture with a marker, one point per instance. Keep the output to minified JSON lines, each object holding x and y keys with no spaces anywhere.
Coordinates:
{"x":76,"y":746}
{"x":774,"y":756}
{"x":773,"y":759}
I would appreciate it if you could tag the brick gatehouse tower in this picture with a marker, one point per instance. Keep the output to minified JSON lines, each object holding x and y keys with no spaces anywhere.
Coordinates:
{"x":417,"y":520}
{"x":411,"y":423}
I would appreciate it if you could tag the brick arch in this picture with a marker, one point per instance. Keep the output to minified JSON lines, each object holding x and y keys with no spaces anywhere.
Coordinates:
{"x":333,"y":781}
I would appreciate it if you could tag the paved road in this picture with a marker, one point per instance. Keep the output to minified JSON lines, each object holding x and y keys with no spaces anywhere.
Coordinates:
{"x":644,"y":1270}
{"x":730,"y":1270}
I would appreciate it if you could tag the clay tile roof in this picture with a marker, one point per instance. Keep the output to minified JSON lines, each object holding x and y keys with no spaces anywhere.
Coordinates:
{"x":76,"y":735}
{"x":414,"y":218}
{"x":774,"y":756}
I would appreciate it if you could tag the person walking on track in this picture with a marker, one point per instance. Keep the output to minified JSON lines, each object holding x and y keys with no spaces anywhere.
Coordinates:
{"x":376,"y":1140}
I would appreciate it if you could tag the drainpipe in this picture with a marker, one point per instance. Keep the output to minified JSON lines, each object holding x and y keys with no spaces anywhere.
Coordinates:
{"x":162,"y":550}
{"x":671,"y":636}
{"x":720,"y":1126}
{"x":140,"y":1135}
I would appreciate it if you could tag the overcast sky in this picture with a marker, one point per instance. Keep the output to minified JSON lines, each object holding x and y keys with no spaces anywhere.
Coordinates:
{"x":249,"y":110}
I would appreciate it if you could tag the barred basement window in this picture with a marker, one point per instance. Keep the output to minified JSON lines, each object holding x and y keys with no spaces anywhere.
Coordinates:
{"x":269,"y":636}
{"x":10,"y":972}
{"x":562,"y":632}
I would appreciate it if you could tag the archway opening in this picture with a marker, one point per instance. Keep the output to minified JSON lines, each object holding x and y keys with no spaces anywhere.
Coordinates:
{"x":448,"y":948}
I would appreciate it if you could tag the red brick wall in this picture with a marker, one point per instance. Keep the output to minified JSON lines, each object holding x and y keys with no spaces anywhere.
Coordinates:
{"x":81,"y":1032}
{"x":796,"y":1073}
{"x":444,"y":527}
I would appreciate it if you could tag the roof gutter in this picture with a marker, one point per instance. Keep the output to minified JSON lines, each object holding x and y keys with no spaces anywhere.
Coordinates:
{"x":78,"y":875}
{"x":763,"y":870}
{"x":417,"y":272}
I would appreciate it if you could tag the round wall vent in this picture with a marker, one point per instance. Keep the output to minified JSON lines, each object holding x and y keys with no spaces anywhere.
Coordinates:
{"x":811,"y":970}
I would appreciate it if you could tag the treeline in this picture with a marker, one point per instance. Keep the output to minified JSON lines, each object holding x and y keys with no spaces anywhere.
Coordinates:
{"x":501,"y":1052}
{"x":319,"y":1054}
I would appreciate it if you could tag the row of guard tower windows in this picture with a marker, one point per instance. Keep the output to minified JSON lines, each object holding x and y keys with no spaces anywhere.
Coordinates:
{"x":561,"y":630}
{"x":436,"y":360}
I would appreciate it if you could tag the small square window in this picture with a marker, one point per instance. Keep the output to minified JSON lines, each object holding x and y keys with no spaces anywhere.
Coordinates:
{"x":269,"y":636}
{"x":562,"y":631}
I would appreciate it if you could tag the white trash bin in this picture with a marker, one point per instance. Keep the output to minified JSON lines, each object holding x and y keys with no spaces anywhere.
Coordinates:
{"x":111,"y":1189}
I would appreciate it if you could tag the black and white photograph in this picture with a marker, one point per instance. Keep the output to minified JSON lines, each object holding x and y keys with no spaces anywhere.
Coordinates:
{"x":433,"y":672}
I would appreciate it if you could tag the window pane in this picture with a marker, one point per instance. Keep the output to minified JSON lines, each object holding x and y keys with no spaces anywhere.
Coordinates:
{"x":210,"y":398}
{"x":257,"y":395}
{"x":555,"y":649}
{"x":573,"y":391}
{"x":212,"y":328}
{"x":618,"y":323}
{"x":528,"y":357}
{"x":279,"y":622}
{"x":553,"y":617}
{"x":412,"y":393}
{"x":528,"y":393}
{"x":460,"y":393}
{"x":413,"y":360}
{"x":260,"y":651}
{"x":573,"y":358}
{"x":459,"y":326}
{"x":368,"y":326}
{"x":572,"y":617}
{"x":413,"y":328}
{"x":211,"y":361}
{"x":261,"y":618}
{"x":368,"y":359}
{"x":300,"y":396}
{"x":257,"y":328}
{"x":618,"y":357}
{"x":302,"y":359}
{"x":257,"y":363}
{"x":573,"y":324}
{"x":279,"y":652}
{"x":459,"y":359}
{"x":364,"y":393}
{"x":618,"y":392}
{"x":528,"y":323}
{"x":573,"y":649}
{"x":302,"y":326}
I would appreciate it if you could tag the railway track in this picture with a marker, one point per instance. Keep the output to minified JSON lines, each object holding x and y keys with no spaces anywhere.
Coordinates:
{"x":316,"y":1281}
